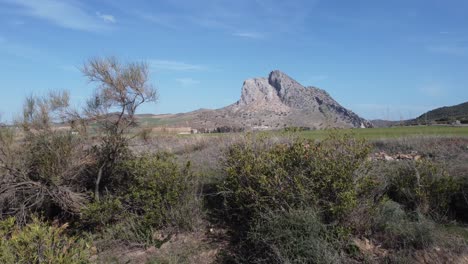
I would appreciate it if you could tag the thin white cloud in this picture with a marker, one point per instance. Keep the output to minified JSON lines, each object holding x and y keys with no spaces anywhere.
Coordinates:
{"x":233,"y":17}
{"x":107,"y":18}
{"x":169,"y":65}
{"x":186,"y":82}
{"x":67,"y":14}
{"x":250,"y":35}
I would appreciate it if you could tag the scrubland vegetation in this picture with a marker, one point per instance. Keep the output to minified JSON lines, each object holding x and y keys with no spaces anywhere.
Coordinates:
{"x":101,"y":191}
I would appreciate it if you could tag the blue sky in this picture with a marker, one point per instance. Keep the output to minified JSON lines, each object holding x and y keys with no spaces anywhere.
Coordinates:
{"x":382,"y":59}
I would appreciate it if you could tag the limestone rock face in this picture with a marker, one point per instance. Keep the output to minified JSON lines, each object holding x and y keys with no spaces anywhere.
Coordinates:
{"x":258,"y":94}
{"x":274,"y":102}
{"x":307,"y":106}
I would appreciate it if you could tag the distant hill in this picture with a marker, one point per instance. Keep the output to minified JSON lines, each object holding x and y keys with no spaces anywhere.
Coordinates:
{"x":446,"y":114}
{"x":274,"y":102}
{"x":385,"y":123}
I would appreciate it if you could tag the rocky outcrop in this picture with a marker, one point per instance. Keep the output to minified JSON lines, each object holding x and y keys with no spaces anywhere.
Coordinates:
{"x":274,"y":102}
{"x":306,"y":106}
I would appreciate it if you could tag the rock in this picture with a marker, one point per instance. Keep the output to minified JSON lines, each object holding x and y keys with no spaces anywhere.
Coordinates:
{"x":404,"y":156}
{"x":301,"y":106}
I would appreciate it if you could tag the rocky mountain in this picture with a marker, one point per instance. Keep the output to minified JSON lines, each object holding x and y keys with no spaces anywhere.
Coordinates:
{"x":275,"y":102}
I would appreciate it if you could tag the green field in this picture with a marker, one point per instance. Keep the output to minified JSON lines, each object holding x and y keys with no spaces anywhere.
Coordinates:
{"x":395,"y":132}
{"x":367,"y":133}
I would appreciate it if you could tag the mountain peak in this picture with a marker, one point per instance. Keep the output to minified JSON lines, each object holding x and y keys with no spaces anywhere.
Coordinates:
{"x":279,"y":93}
{"x":282,"y":82}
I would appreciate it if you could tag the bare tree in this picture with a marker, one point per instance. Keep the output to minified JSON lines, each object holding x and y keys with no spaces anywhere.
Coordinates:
{"x":39,"y":165}
{"x":40,"y":113}
{"x":43,"y":167}
{"x":121,"y":89}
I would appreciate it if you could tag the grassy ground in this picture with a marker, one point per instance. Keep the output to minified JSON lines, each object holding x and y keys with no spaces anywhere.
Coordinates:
{"x":368,"y":133}
{"x":396,"y":132}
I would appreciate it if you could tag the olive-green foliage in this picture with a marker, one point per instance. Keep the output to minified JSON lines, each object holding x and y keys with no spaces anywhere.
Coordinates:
{"x":459,"y":205}
{"x":159,"y":190}
{"x":262,"y":177}
{"x":39,"y":242}
{"x":100,"y":214}
{"x":130,"y":230}
{"x":398,"y":229}
{"x":297,"y":236}
{"x":155,"y":192}
{"x":48,"y":155}
{"x":40,"y":175}
{"x":419,"y":185}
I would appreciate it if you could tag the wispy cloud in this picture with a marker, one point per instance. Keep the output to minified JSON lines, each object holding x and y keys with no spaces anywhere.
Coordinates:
{"x":186,"y":82}
{"x":107,"y":18}
{"x":67,"y":14}
{"x":250,"y":35}
{"x":169,"y":65}
{"x":233,"y":17}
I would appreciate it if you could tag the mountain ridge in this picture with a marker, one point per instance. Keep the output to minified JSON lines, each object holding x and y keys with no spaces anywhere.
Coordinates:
{"x":275,"y":102}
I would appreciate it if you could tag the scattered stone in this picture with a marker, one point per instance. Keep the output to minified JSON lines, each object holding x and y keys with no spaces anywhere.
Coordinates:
{"x":397,"y":157}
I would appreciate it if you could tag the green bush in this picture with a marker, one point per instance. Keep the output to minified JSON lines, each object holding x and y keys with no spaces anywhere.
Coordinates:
{"x":48,"y":155}
{"x":397,"y":229}
{"x":38,"y":242}
{"x":160,"y":191}
{"x":459,"y":205}
{"x":41,"y":175}
{"x":420,"y":186}
{"x":100,"y":214}
{"x":261,"y":177}
{"x":297,"y":236}
{"x":132,"y":231}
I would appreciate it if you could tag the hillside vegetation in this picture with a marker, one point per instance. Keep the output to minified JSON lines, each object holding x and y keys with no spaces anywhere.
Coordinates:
{"x":446,"y":114}
{"x":116,"y":194}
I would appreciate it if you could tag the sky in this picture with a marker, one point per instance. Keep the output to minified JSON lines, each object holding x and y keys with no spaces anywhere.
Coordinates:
{"x":381,"y":59}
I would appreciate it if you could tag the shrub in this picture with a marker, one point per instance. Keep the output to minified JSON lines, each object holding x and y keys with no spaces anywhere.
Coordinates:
{"x":160,"y":191}
{"x":261,"y":178}
{"x":100,"y":214}
{"x":40,"y":173}
{"x":297,"y":236}
{"x":38,"y":242}
{"x":418,"y":185}
{"x":399,"y":230}
{"x":132,"y":231}
{"x":459,"y":205}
